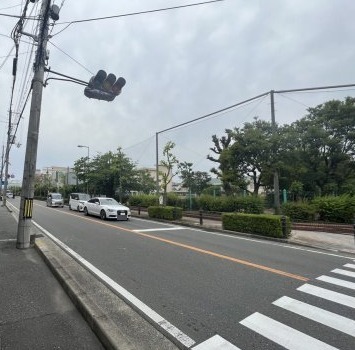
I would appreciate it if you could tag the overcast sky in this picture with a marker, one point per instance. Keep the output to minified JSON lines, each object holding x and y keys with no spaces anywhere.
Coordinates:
{"x":179,"y":65}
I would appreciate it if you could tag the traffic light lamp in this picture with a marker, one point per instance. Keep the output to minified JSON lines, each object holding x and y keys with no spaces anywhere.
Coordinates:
{"x":104,"y":87}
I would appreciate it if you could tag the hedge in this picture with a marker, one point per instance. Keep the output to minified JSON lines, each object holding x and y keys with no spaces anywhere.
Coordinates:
{"x":265,"y":225}
{"x":166,"y":213}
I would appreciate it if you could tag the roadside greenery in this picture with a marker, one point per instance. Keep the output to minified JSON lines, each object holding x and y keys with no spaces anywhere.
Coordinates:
{"x":265,"y":225}
{"x":314,"y":156}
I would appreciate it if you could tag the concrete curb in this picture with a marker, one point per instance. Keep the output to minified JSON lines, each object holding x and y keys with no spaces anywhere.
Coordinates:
{"x":99,"y":322}
{"x":116,"y":329}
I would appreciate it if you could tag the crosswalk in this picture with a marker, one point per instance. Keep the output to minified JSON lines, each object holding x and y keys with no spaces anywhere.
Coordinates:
{"x":337,"y":288}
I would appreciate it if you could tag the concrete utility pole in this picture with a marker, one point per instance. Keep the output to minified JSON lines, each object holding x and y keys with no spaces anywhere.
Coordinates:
{"x":26,"y":205}
{"x":276,"y":172}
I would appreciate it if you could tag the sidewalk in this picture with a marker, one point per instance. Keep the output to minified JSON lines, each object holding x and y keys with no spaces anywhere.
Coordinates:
{"x":36,"y":312}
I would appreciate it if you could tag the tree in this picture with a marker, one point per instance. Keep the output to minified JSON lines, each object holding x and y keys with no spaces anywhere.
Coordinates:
{"x":252,"y":155}
{"x":186,"y":174}
{"x":109,"y":174}
{"x":222,"y":171}
{"x":326,"y":146}
{"x":145,"y":183}
{"x":168,"y":164}
{"x":200,"y":181}
{"x":195,"y":181}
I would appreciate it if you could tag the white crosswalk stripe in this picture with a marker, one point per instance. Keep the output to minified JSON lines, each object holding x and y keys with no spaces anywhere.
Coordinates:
{"x":344,"y":272}
{"x":293,"y":339}
{"x":337,"y":281}
{"x":323,"y":293}
{"x":283,"y":335}
{"x":350,"y":266}
{"x":330,"y":319}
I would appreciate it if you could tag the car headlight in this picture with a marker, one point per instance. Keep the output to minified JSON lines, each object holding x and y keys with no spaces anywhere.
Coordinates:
{"x":111,"y":210}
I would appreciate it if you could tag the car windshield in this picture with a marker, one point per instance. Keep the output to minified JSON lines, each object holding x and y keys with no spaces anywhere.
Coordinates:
{"x":108,"y":201}
{"x":56,"y":196}
{"x":84,"y":196}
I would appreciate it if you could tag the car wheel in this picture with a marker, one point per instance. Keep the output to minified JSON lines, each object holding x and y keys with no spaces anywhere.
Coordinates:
{"x":103,"y":215}
{"x":86,"y":211}
{"x":70,"y":207}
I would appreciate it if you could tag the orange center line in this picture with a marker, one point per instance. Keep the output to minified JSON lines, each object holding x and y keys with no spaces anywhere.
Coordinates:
{"x":203,"y":251}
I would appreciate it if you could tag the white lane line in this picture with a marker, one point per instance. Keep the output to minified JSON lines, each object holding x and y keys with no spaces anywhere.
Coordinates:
{"x":8,"y":240}
{"x":215,"y":343}
{"x":119,"y":290}
{"x":160,"y":229}
{"x":283,"y":335}
{"x":330,"y":319}
{"x":344,"y":272}
{"x":327,"y":294}
{"x":337,"y":281}
{"x":351,"y":266}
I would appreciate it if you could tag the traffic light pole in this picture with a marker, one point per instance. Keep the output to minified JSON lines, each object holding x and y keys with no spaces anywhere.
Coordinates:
{"x":26,"y":205}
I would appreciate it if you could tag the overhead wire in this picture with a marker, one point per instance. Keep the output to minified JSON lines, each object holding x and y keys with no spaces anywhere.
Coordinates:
{"x":15,"y":34}
{"x":133,"y":14}
{"x":27,"y":74}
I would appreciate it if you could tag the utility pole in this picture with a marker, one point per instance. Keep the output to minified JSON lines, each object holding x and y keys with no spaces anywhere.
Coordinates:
{"x":276,"y":172}
{"x":26,"y":205}
{"x":2,"y":170}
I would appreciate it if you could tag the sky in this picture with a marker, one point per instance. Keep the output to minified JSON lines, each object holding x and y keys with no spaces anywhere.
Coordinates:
{"x":179,"y":65}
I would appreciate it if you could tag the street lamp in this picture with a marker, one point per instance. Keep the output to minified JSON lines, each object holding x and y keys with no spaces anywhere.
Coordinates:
{"x":87,"y":168}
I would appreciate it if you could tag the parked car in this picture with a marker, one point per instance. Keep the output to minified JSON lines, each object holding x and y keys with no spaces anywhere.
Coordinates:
{"x":10,"y":195}
{"x":106,"y":208}
{"x":77,"y":201}
{"x":55,"y":200}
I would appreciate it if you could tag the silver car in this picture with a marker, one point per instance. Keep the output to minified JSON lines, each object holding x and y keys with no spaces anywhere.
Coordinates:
{"x":55,"y":200}
{"x":106,"y":208}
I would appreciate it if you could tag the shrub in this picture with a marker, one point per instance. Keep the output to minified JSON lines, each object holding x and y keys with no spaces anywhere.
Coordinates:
{"x":299,"y":211}
{"x":265,"y":225}
{"x":248,"y":204}
{"x":335,"y":209}
{"x":143,"y":200}
{"x":166,"y":213}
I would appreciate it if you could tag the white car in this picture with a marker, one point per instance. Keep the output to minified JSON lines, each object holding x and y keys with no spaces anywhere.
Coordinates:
{"x":77,"y":201}
{"x":106,"y":208}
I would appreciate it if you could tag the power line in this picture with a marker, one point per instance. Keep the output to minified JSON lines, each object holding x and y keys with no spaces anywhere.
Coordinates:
{"x":76,"y":61}
{"x":135,"y":13}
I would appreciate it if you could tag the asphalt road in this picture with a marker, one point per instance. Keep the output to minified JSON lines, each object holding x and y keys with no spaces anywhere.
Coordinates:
{"x":206,"y":284}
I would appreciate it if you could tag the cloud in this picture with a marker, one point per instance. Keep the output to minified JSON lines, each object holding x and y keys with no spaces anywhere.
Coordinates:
{"x":180,"y":65}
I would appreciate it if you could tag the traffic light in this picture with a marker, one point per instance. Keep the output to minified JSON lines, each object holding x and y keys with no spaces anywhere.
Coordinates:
{"x":104,"y":87}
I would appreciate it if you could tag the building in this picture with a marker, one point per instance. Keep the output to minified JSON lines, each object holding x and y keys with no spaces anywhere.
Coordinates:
{"x":57,"y":176}
{"x":153,"y":173}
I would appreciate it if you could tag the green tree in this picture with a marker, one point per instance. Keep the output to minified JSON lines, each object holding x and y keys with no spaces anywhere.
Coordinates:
{"x":111,"y":174}
{"x":223,"y":171}
{"x":168,"y":165}
{"x":326,"y":146}
{"x":252,"y":156}
{"x":145,"y":182}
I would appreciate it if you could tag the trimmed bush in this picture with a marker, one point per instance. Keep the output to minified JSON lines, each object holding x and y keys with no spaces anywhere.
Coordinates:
{"x":165,"y":213}
{"x":265,"y":225}
{"x":299,"y":211}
